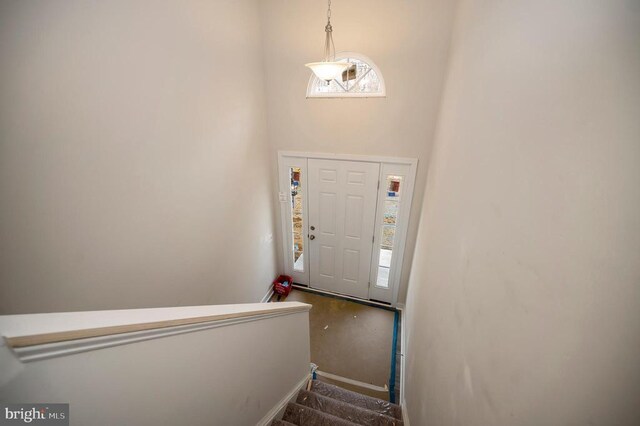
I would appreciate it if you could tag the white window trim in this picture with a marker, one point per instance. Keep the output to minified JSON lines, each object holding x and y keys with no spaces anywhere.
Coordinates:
{"x":342,"y":55}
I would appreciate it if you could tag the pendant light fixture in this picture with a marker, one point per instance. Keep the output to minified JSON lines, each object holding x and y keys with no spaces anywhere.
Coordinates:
{"x":328,"y":69}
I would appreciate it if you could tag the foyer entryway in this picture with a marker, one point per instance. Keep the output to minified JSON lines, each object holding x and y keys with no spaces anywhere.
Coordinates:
{"x":354,"y":341}
{"x":344,"y":222}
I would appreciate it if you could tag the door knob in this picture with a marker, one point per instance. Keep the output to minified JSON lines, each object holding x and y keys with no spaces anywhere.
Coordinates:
{"x":313,"y":228}
{"x":312,"y":237}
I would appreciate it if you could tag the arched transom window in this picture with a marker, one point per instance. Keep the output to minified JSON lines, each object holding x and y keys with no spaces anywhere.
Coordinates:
{"x":363,"y":79}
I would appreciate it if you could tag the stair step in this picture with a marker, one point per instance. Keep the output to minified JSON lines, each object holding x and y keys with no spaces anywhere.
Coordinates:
{"x":344,"y":410}
{"x":305,"y":416}
{"x":281,"y":423}
{"x":357,"y":399}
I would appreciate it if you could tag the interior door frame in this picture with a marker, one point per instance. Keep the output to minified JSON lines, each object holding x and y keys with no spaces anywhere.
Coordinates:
{"x":299,"y":159}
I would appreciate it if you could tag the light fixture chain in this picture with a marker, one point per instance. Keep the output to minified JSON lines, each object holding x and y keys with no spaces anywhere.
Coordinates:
{"x":328,"y":69}
{"x":328,"y":42}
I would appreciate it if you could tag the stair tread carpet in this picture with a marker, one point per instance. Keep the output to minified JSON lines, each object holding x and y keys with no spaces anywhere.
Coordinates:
{"x":281,"y":423}
{"x":329,"y":405}
{"x":344,"y":410}
{"x":357,"y":399}
{"x":305,"y":416}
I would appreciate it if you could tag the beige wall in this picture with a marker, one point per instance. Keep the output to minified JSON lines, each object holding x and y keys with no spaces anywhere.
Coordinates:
{"x":230,"y":375}
{"x":133,"y":157}
{"x":524,"y":301}
{"x":408,"y":40}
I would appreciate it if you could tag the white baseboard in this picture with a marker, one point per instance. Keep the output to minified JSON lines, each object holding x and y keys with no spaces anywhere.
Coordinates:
{"x":278,"y":410}
{"x":403,"y":371}
{"x":403,"y":349}
{"x":405,"y":414}
{"x":267,"y":296}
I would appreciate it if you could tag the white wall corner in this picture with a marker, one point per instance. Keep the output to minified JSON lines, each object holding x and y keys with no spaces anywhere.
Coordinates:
{"x":267,"y":296}
{"x":405,"y":413}
{"x":278,"y":410}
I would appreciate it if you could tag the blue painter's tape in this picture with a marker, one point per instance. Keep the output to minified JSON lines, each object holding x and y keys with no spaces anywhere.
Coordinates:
{"x":392,"y":379}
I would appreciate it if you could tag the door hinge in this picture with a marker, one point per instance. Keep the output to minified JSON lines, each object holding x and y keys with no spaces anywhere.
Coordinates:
{"x":378,"y":184}
{"x":373,"y":239}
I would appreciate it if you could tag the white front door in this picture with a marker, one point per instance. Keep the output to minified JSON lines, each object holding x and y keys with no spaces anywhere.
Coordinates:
{"x":342,"y":208}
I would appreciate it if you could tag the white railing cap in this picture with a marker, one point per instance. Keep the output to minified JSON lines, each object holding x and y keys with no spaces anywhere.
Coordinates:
{"x":34,"y":329}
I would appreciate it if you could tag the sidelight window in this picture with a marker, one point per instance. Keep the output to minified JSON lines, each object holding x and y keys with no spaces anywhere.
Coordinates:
{"x":388,"y":234}
{"x":296,"y":218}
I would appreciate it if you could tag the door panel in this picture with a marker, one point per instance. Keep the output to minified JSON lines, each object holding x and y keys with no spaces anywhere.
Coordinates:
{"x":327,"y":261}
{"x":353,"y":214}
{"x":342,"y":206}
{"x":327,"y":214}
{"x":351,"y":262}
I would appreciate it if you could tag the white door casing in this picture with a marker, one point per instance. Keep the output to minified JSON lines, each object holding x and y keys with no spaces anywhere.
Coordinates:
{"x":405,"y":167}
{"x":342,"y":198}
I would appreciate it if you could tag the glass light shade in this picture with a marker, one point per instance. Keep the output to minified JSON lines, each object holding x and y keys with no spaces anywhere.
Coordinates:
{"x":328,"y":70}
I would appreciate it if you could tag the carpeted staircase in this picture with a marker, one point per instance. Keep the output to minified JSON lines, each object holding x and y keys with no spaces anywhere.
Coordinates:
{"x":328,"y":405}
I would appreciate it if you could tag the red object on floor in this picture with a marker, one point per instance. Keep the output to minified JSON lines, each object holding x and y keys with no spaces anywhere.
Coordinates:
{"x":280,"y":288}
